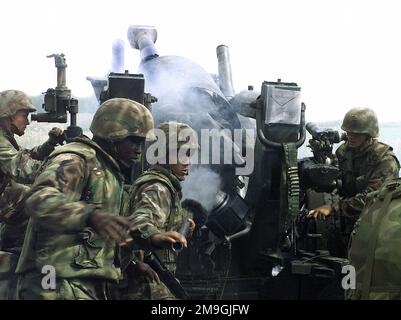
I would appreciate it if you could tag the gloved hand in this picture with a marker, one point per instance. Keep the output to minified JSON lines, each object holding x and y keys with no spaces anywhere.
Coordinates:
{"x":321,"y":212}
{"x":56,"y":136}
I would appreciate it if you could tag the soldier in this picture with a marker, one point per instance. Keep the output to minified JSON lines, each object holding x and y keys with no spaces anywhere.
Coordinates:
{"x":75,"y":204}
{"x":18,"y":168}
{"x":364,"y":165}
{"x":375,"y":246}
{"x":155,"y":206}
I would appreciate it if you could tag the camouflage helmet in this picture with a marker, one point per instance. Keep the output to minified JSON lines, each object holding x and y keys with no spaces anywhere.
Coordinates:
{"x":12,"y":101}
{"x":181,"y":133}
{"x":119,"y":118}
{"x":361,"y":120}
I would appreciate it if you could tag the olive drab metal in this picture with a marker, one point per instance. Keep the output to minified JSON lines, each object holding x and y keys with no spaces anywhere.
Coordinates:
{"x":361,"y":120}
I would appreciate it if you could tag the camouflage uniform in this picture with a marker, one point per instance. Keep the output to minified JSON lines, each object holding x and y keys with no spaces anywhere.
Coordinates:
{"x":155,"y":207}
{"x":77,"y":179}
{"x":18,"y":168}
{"x":363,"y":169}
{"x":375,"y":246}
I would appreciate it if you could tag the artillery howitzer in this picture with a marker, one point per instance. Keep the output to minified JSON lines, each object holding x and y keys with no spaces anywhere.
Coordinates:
{"x":256,"y":241}
{"x":278,"y":253}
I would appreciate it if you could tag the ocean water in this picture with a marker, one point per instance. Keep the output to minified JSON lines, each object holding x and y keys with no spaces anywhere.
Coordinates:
{"x":391,"y":134}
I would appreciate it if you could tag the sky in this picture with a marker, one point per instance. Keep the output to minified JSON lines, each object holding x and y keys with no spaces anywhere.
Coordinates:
{"x":343,"y":53}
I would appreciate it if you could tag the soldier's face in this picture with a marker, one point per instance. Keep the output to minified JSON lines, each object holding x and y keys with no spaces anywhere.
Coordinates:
{"x":355,"y":140}
{"x":130,"y":149}
{"x":19,"y":122}
{"x":181,"y":168}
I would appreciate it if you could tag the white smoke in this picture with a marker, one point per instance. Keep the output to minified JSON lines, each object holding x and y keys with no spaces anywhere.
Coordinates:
{"x":202,"y":185}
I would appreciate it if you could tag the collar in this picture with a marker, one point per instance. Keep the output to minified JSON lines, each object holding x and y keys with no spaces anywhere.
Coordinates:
{"x":10,"y":137}
{"x":362,"y":150}
{"x":165,"y":170}
{"x":99,"y":150}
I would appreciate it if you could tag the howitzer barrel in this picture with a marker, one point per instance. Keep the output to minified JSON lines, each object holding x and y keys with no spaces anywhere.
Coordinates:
{"x":143,"y":38}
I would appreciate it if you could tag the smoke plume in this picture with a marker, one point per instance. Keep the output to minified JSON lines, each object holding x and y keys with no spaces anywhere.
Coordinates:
{"x":202,"y":185}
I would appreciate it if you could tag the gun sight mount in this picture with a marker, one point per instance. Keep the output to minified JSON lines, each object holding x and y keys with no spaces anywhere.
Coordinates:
{"x":58,"y":101}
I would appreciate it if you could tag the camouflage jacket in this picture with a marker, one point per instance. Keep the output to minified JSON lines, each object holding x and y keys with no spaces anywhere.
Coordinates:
{"x":13,"y":216}
{"x":77,"y":178}
{"x":18,"y":168}
{"x":19,"y":164}
{"x":363,"y":171}
{"x":155,"y":207}
{"x":375,"y":246}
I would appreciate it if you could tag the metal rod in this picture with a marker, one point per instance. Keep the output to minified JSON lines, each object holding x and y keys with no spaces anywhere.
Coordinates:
{"x":225,"y":74}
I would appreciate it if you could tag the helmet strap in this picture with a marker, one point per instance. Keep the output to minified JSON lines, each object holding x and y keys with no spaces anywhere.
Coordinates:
{"x":15,"y":130}
{"x":124,"y":165}
{"x":6,"y":124}
{"x":364,"y":145}
{"x":369,"y":140}
{"x":107,"y":146}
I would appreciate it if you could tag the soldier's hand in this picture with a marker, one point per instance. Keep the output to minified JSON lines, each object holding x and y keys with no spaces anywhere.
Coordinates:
{"x":56,"y":136}
{"x":191,"y":228}
{"x":165,"y":239}
{"x":375,"y":183}
{"x":321,"y":212}
{"x":145,"y":270}
{"x":108,"y":226}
